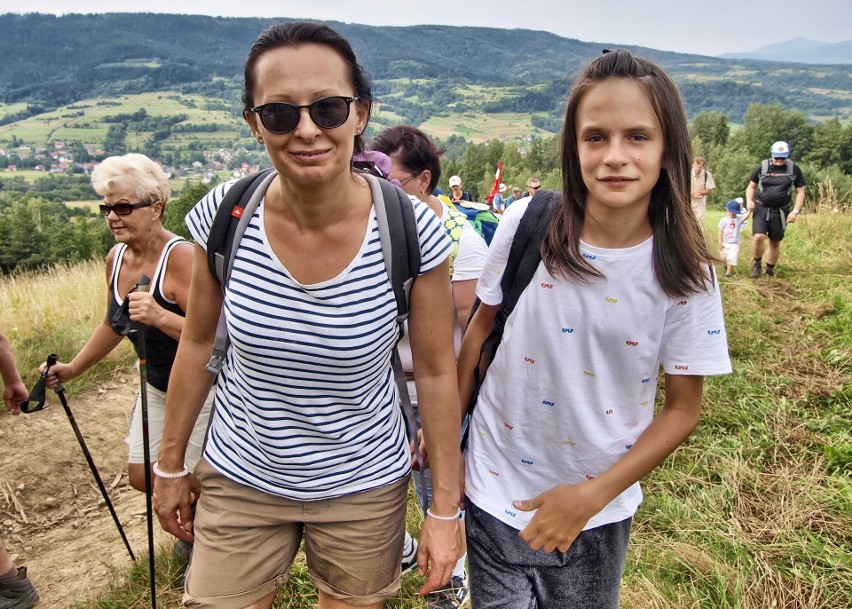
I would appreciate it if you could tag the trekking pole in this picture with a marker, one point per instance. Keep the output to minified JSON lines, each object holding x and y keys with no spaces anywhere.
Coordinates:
{"x":38,"y":396}
{"x":142,"y":286}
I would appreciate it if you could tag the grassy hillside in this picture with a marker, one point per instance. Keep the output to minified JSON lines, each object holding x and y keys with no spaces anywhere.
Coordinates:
{"x":87,"y":120}
{"x":54,"y":61}
{"x":752,"y":512}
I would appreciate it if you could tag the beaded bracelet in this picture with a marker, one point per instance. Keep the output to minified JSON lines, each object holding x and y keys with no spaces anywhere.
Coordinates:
{"x":455,"y":516}
{"x":169,"y":475}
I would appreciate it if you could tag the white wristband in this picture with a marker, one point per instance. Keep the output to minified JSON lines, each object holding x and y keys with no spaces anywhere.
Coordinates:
{"x":169,"y":475}
{"x":455,"y":516}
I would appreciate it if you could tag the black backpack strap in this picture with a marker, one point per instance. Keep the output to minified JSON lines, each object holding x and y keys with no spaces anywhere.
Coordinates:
{"x":525,"y":253}
{"x":220,"y":240}
{"x":521,"y":266}
{"x":225,"y":234}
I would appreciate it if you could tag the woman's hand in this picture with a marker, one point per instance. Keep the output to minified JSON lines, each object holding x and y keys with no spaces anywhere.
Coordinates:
{"x":416,"y":465}
{"x":173,"y":499}
{"x":144,"y":309}
{"x":441,"y":545}
{"x":59,"y":373}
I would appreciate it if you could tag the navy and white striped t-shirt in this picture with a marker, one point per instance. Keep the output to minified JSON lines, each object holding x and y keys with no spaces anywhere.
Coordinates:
{"x":306,"y":405}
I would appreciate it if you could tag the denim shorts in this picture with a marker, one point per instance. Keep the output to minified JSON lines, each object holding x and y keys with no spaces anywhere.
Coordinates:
{"x":506,"y":574}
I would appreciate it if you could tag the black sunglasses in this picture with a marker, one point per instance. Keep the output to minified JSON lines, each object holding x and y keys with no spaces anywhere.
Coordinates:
{"x":122,"y":209}
{"x":327,"y":113}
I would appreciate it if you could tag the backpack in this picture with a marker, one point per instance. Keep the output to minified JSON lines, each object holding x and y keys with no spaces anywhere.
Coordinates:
{"x":483,"y":220}
{"x":400,"y":245}
{"x":775,"y":189}
{"x":523,"y":261}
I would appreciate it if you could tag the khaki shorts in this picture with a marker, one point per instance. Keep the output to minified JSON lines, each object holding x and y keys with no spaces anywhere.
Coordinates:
{"x":156,"y":422}
{"x":246,"y":540}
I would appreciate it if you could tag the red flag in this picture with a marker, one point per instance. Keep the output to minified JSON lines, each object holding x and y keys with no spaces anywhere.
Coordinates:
{"x":496,"y":188}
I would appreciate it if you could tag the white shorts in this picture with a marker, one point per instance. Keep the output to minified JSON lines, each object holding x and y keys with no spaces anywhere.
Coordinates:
{"x":156,"y":421}
{"x":732,"y":253}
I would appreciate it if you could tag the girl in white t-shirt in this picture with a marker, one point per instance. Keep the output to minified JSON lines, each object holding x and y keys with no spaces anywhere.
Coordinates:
{"x":564,"y":426}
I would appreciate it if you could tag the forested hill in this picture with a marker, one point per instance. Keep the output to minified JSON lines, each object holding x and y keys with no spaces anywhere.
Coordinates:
{"x":50,"y":61}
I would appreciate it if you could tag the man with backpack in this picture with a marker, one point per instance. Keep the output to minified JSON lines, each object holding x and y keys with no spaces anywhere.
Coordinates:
{"x":702,"y":186}
{"x":768,"y":197}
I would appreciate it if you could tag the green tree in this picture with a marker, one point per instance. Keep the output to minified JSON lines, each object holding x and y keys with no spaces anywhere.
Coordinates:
{"x":711,"y":127}
{"x":179,"y":206}
{"x":832,"y":145}
{"x":731,"y":168}
{"x":764,"y":125}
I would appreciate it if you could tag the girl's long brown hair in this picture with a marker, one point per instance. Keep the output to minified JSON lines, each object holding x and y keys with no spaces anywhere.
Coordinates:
{"x":680,"y":253}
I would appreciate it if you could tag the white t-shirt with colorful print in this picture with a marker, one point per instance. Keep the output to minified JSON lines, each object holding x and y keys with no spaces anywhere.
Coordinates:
{"x":573,"y":383}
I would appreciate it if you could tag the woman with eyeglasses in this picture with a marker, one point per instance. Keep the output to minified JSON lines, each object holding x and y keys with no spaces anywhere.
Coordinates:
{"x":307,"y":443}
{"x":135,"y":191}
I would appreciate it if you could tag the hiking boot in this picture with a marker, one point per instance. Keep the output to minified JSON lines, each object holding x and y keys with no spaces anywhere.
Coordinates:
{"x":453,"y":596}
{"x":409,"y":561}
{"x":182,"y":552}
{"x":18,"y":592}
{"x":755,"y":271}
{"x":770,"y":270}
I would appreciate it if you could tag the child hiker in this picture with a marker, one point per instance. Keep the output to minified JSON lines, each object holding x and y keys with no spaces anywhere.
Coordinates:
{"x":564,"y":426}
{"x":730,"y":226}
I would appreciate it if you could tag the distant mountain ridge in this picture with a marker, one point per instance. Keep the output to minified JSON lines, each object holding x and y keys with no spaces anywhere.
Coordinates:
{"x":51,"y":61}
{"x":801,"y":50}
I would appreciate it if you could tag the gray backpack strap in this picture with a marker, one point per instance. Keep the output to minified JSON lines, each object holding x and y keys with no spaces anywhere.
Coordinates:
{"x":395,"y":217}
{"x":791,"y":173}
{"x":220,"y":345}
{"x":764,"y":169}
{"x":401,"y":254}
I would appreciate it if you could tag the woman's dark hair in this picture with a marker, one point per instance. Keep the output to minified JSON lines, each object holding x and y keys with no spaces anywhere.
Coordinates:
{"x":680,"y":254}
{"x":297,"y":33}
{"x":412,"y":148}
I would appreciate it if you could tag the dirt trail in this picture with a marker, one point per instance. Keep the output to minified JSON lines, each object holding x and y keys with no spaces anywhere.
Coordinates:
{"x":52,"y":516}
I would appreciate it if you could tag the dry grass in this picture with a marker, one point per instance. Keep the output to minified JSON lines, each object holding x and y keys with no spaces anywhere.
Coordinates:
{"x":56,"y":311}
{"x":753,"y":512}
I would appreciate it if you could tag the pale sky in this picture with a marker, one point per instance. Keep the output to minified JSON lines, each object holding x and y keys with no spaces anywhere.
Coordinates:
{"x":706,"y":27}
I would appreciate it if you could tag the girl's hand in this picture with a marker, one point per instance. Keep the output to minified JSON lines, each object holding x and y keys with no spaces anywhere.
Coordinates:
{"x":561,"y":514}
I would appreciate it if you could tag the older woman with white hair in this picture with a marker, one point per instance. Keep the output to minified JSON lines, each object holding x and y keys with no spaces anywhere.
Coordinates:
{"x":135,"y":192}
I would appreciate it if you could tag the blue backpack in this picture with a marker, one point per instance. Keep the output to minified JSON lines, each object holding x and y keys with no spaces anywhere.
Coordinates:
{"x":483,"y":220}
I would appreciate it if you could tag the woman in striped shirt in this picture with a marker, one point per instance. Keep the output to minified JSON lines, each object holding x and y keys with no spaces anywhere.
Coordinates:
{"x":307,"y":440}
